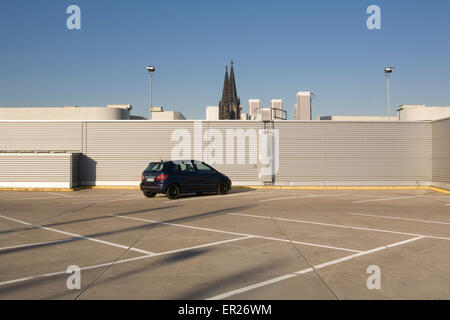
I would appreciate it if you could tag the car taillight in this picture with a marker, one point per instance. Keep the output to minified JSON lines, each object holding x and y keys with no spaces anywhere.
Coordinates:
{"x":142,"y":177}
{"x":161,"y":177}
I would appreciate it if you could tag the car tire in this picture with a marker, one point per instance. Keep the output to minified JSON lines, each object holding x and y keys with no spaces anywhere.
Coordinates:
{"x":149,"y":194}
{"x":173,"y":192}
{"x":223,"y":187}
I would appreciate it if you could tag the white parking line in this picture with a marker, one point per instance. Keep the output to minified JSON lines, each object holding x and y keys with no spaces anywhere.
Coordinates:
{"x":237,"y":233}
{"x":213,"y":196}
{"x":15,"y":220}
{"x":111,"y":200}
{"x":307,"y":270}
{"x":52,"y":198}
{"x":35,"y":244}
{"x":82,"y":237}
{"x":305,"y":196}
{"x":339,"y":226}
{"x":384,"y":199}
{"x":124,"y":260}
{"x":60,"y":194}
{"x":396,"y":218}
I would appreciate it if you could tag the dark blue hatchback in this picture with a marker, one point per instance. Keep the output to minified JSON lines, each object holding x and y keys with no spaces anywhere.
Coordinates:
{"x":182,"y":176}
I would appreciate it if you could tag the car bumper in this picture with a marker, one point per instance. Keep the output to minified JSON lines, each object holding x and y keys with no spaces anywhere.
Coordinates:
{"x":158,"y":188}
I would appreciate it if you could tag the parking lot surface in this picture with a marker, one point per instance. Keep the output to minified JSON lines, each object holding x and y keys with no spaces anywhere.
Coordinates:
{"x":249,"y":244}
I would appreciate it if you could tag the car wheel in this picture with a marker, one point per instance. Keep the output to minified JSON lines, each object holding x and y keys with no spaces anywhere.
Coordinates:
{"x":149,"y":194}
{"x":173,"y":192}
{"x":223,"y":188}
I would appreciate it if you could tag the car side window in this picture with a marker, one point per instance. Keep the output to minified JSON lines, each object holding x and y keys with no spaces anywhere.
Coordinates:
{"x":201,"y":167}
{"x":186,"y":167}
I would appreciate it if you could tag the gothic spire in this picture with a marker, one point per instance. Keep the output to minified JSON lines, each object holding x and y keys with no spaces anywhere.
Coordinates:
{"x":226,"y":85}
{"x":233,"y":83}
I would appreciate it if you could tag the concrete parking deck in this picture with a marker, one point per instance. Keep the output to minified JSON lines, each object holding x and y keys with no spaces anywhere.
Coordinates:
{"x":250,"y":244}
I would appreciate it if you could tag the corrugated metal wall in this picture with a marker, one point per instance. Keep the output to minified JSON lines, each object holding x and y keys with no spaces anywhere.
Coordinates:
{"x":310,"y":152}
{"x":40,"y":135}
{"x":441,"y":153}
{"x":354,"y":153}
{"x":35,"y":170}
{"x":119,"y":151}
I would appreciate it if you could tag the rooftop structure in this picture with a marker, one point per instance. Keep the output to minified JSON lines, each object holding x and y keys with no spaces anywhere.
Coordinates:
{"x":158,"y":113}
{"x":110,"y":112}
{"x":422,"y":112}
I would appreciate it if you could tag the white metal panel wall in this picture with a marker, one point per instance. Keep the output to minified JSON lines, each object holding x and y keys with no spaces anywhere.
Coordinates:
{"x":35,"y":170}
{"x":40,"y":135}
{"x":354,"y":153}
{"x":441,"y":152}
{"x":247,"y":173}
{"x":120,"y":151}
{"x":117,"y":152}
{"x":301,"y":152}
{"x":311,"y":152}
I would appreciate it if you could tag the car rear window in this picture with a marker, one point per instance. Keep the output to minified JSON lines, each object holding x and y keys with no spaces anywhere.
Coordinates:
{"x":156,"y":166}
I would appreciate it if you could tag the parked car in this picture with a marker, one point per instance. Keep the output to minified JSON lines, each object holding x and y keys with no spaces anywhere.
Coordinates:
{"x":182,"y":176}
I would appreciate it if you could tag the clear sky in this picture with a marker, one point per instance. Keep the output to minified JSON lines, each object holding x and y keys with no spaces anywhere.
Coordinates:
{"x":279,"y":48}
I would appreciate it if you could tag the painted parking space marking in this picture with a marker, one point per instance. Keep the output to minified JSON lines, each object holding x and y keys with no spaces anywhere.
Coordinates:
{"x":339,"y":226}
{"x":110,"y":200}
{"x":238,"y":233}
{"x":396,"y":218}
{"x":307,"y":270}
{"x":107,"y":264}
{"x":383,"y":199}
{"x":78,"y":236}
{"x":30,"y":245}
{"x":15,"y":220}
{"x":305,"y":196}
{"x":60,"y":194}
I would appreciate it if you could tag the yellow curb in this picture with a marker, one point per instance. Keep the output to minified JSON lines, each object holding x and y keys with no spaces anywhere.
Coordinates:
{"x":116,"y":187}
{"x":39,"y":189}
{"x":343,"y":188}
{"x":440,"y":190}
{"x":241,"y":187}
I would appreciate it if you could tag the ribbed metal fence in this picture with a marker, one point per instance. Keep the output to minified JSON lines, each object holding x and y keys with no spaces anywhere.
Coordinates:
{"x":310,"y":152}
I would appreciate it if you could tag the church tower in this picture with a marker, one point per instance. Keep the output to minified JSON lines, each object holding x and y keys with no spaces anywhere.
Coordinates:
{"x":230,"y":105}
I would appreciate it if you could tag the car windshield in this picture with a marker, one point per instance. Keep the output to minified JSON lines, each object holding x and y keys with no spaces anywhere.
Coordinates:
{"x":156,"y":166}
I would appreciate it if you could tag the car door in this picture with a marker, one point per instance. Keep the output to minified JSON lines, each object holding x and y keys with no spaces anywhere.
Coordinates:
{"x":206,"y":179}
{"x":188,"y":181}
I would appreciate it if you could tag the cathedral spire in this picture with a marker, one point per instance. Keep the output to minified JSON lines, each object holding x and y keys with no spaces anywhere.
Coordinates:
{"x":229,"y":106}
{"x":226,"y":85}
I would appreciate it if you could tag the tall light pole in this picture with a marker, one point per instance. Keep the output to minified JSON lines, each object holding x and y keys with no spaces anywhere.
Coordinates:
{"x":387,"y":73}
{"x":150,"y":70}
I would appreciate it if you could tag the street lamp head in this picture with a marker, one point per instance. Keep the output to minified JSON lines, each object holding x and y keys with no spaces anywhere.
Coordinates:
{"x":388,"y":70}
{"x":150,"y":68}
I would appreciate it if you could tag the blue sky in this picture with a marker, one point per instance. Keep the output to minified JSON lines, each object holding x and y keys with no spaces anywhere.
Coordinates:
{"x":279,"y":48}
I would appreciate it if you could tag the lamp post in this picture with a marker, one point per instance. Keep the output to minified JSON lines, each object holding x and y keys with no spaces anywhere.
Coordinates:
{"x":387,"y":72}
{"x":150,"y":70}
